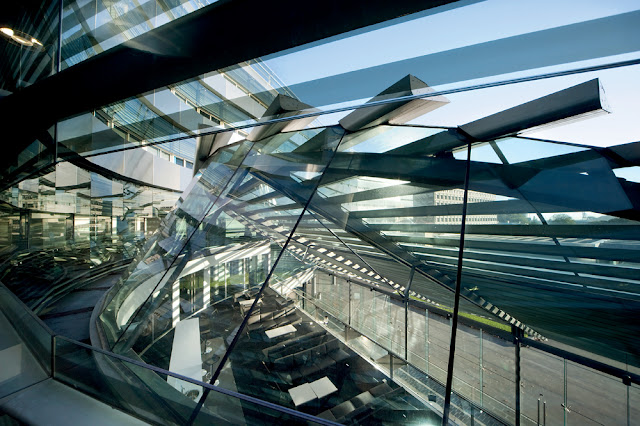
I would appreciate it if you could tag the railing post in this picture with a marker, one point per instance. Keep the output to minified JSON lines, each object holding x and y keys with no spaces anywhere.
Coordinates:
{"x":426,"y":340}
{"x":517,"y":334}
{"x":564,"y":392}
{"x":627,"y":381}
{"x":53,"y":356}
{"x":538,"y":418}
{"x":406,"y":329}
{"x":481,"y":372}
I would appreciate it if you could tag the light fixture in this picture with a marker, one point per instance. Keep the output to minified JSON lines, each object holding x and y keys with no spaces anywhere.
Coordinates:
{"x":21,"y":39}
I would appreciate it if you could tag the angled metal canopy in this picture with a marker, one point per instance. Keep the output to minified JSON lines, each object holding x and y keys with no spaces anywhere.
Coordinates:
{"x":534,"y":267}
{"x":183,"y":49}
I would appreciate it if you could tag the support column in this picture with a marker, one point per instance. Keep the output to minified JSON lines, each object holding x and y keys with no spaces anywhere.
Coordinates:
{"x":406,"y":313}
{"x":406,"y":329}
{"x":426,"y":340}
{"x":175,"y":302}
{"x":25,"y":229}
{"x":253,"y":271}
{"x":244,"y":273}
{"x":314,"y":288}
{"x":206,"y":287}
{"x":349,"y":319}
{"x":69,"y":228}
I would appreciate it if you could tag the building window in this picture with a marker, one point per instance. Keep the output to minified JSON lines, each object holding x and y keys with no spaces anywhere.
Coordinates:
{"x":179,"y":161}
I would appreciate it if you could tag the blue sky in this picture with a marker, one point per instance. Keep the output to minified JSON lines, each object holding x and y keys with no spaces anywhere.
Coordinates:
{"x":446,"y":47}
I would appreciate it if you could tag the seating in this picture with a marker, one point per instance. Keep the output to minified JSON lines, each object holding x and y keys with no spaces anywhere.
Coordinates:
{"x":335,"y":352}
{"x":357,"y":405}
{"x":363,"y":399}
{"x":293,"y":345}
{"x":260,"y":315}
{"x":310,"y":361}
{"x":292,"y":318}
{"x":379,"y":390}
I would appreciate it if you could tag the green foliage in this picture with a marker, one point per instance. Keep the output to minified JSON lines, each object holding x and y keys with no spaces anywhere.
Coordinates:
{"x":561,"y":219}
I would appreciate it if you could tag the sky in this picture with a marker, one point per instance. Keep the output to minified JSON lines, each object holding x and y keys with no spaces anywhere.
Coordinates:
{"x":480,"y":42}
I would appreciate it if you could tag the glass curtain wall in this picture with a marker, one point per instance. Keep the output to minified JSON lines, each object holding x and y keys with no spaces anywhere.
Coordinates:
{"x":70,"y":222}
{"x":364,"y":240}
{"x":320,"y":259}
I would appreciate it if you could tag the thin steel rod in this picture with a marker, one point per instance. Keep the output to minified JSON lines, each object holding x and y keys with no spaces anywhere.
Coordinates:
{"x":264,"y":286}
{"x":456,"y":306}
{"x":516,"y":340}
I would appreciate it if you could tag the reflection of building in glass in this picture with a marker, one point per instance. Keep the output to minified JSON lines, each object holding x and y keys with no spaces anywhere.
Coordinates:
{"x":207,"y":249}
{"x":346,"y":265}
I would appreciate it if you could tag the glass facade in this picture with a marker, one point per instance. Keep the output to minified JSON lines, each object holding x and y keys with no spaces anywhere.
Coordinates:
{"x":394,"y":224}
{"x":362,"y":230}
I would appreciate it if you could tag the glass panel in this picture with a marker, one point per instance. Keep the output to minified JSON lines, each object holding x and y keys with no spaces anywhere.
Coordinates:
{"x":633,"y":404}
{"x":439,"y":340}
{"x":418,"y":338}
{"x":306,"y":335}
{"x":471,"y":382}
{"x":207,"y":230}
{"x":162,"y":250}
{"x":241,"y":94}
{"x":467,"y":365}
{"x":498,"y":376}
{"x":149,"y":395}
{"x":69,"y":222}
{"x":25,"y":345}
{"x":38,"y":156}
{"x":128,"y":387}
{"x":223,"y":408}
{"x":94,"y":26}
{"x":585,"y":385}
{"x":540,"y":234}
{"x":542,"y":387}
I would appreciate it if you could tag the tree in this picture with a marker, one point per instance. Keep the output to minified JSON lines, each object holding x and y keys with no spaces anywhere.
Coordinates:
{"x":514,"y":219}
{"x":561,"y":219}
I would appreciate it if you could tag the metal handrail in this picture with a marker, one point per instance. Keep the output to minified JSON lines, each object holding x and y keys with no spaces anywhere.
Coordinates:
{"x":250,"y":399}
{"x":33,"y":316}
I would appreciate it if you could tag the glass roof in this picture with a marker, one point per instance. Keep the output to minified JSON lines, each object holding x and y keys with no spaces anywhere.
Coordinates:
{"x":550,"y":239}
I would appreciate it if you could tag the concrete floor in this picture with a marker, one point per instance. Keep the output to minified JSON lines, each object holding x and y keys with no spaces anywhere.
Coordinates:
{"x":70,"y":315}
{"x":49,"y":402}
